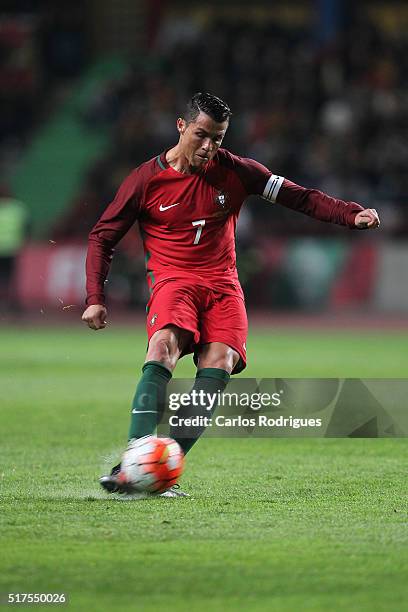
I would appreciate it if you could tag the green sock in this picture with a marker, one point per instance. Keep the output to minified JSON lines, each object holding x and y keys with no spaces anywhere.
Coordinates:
{"x":148,"y":403}
{"x":210,"y":380}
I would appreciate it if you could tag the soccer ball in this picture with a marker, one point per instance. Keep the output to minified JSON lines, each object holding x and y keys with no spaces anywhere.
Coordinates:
{"x":151,"y":464}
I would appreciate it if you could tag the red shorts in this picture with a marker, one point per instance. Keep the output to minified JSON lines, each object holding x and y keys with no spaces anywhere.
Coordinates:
{"x":211,"y":316}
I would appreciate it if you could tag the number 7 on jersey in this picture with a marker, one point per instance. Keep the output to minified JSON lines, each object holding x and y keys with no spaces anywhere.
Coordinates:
{"x":200,"y":225}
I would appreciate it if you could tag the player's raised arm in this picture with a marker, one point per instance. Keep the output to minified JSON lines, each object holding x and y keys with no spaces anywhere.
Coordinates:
{"x":319,"y":205}
{"x":258,"y":180}
{"x":117,"y":219}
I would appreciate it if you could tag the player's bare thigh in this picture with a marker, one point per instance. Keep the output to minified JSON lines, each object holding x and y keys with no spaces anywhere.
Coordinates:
{"x":167,"y":344}
{"x":217,"y":355}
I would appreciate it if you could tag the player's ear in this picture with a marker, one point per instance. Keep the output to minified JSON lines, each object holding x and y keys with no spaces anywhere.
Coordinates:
{"x":181,"y":125}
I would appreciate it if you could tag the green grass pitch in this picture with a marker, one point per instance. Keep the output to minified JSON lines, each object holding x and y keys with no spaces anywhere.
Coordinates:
{"x":283,"y":525}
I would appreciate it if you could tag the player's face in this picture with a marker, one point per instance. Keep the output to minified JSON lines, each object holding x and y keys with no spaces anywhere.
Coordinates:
{"x":201,"y":139}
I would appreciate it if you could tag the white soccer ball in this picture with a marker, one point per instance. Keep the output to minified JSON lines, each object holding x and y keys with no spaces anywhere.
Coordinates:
{"x":151,"y":464}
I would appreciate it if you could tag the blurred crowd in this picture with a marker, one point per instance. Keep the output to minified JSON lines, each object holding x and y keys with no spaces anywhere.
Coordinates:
{"x":43,"y":47}
{"x":330,"y":116}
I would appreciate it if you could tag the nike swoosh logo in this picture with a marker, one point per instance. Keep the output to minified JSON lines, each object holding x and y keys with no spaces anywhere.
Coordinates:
{"x":134,"y":411}
{"x":162,"y":208}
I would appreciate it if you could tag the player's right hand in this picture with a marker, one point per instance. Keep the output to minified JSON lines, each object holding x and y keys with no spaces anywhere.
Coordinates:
{"x":95,"y":316}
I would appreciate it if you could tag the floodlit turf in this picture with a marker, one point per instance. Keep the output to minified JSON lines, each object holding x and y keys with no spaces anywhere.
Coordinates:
{"x":271,"y":525}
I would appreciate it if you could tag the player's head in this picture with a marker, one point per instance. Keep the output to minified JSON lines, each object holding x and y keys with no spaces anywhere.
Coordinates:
{"x":202,"y":128}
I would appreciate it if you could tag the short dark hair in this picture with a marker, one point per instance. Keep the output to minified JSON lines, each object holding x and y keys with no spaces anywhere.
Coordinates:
{"x":208,"y":104}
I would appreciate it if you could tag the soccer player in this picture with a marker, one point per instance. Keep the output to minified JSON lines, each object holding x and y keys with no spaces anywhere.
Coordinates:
{"x":187,"y":201}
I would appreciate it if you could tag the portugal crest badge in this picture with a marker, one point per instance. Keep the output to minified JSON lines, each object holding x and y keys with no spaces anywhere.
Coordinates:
{"x":222,"y":199}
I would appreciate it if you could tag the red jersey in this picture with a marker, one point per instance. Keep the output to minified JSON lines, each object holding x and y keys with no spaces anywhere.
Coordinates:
{"x":188,"y":221}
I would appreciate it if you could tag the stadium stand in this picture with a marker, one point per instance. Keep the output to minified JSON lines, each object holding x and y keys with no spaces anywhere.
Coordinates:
{"x":320,"y":103}
{"x":332,"y":116}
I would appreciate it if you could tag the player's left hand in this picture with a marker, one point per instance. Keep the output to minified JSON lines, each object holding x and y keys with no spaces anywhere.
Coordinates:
{"x":367,"y":219}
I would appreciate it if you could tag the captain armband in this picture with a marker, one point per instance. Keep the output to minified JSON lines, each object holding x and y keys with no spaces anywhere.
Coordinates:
{"x":272,"y":187}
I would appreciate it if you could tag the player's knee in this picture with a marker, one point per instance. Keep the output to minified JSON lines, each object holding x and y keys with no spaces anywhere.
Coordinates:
{"x":163,"y":347}
{"x":160,"y":350}
{"x":227,"y":363}
{"x":222,"y":359}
